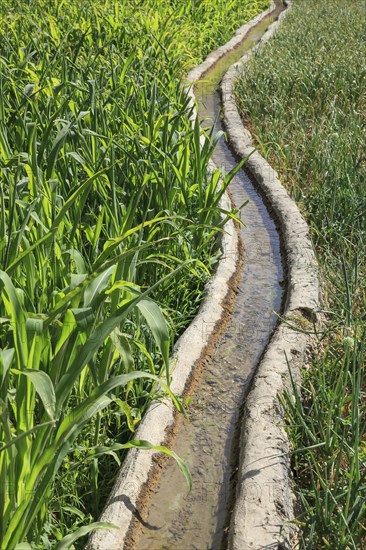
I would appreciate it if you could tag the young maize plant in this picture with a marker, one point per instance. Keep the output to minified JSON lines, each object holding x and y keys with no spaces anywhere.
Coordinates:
{"x":108,"y":233}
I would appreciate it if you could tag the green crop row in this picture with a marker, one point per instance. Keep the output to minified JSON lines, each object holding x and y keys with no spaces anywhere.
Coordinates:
{"x":304,"y":97}
{"x":108,"y":233}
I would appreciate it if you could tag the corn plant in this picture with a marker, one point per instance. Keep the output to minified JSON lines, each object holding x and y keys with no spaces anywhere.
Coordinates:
{"x":109,"y":225}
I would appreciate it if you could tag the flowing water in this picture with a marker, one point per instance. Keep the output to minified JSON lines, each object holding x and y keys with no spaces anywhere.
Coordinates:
{"x":208,"y":441}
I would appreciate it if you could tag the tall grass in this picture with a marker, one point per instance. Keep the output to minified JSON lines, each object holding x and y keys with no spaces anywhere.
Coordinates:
{"x":304,"y":96}
{"x":109,"y":222}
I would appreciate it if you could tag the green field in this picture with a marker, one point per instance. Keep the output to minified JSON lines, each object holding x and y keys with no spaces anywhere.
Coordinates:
{"x":109,"y":225}
{"x":304,"y":98}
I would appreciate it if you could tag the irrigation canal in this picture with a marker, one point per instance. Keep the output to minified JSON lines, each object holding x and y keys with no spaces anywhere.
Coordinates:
{"x":208,"y":442}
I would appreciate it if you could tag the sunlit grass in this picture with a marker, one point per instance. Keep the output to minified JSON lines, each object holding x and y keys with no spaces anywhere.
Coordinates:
{"x":304,"y":97}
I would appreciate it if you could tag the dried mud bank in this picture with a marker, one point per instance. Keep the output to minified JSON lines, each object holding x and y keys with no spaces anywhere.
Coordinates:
{"x":264,"y":499}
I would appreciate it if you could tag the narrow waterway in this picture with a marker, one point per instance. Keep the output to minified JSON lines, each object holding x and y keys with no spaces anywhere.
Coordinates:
{"x":177,"y":519}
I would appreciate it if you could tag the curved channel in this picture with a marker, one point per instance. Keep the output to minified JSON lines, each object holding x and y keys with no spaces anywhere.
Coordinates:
{"x":177,"y":519}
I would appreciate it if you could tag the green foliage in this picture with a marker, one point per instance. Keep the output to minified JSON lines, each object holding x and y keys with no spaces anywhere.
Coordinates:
{"x":108,"y":233}
{"x":304,"y":96}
